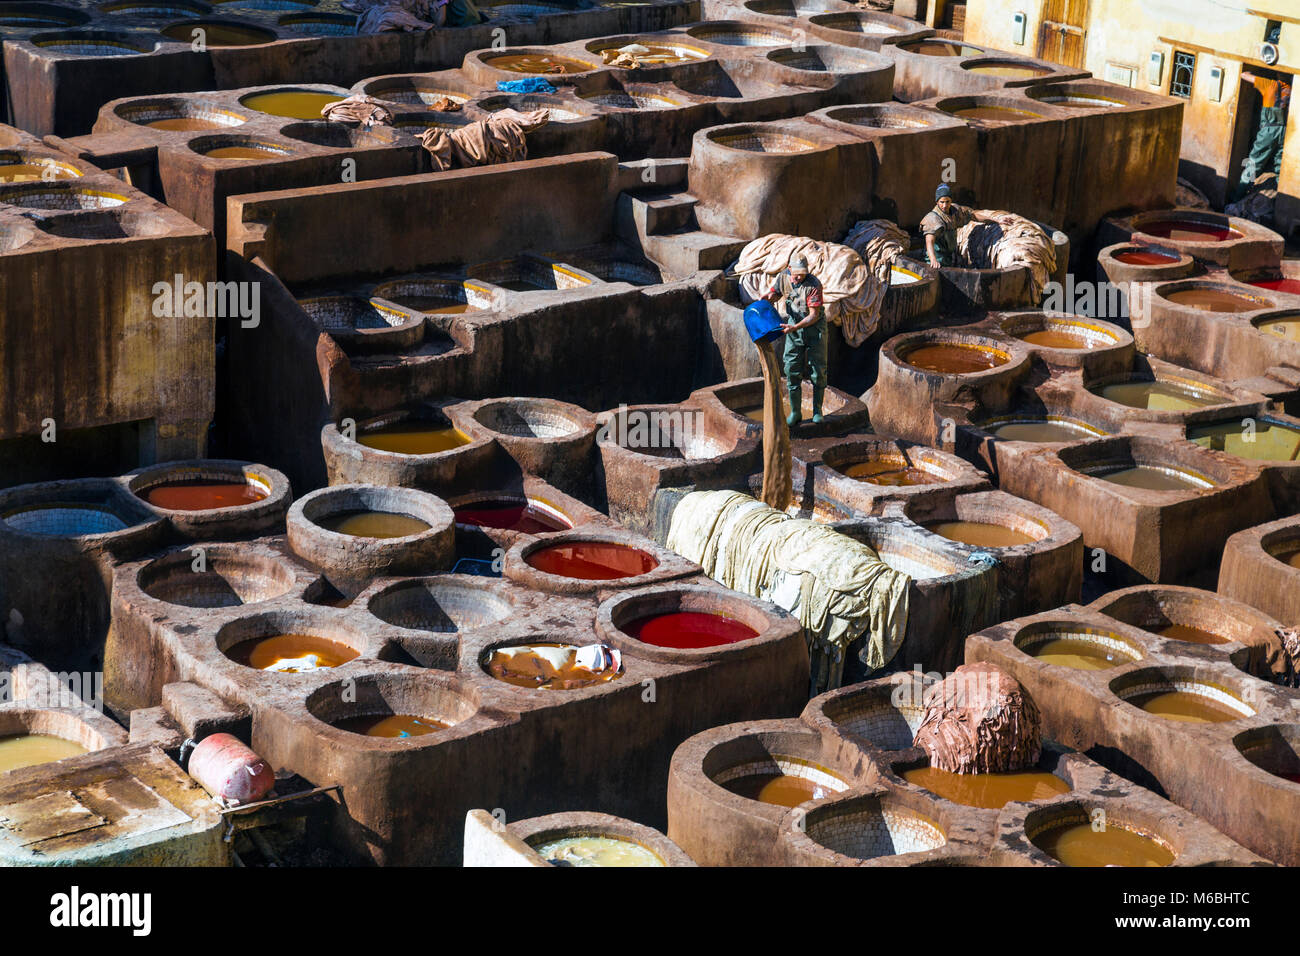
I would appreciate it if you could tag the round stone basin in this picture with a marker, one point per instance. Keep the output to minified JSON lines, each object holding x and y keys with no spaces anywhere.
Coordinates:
{"x":1265,"y":440}
{"x":439,"y":605}
{"x":216,"y":33}
{"x":1145,"y":256}
{"x":1050,"y":429}
{"x":892,"y":470}
{"x":265,"y":4}
{"x":230,"y":577}
{"x":1051,"y":332}
{"x":1288,"y":553}
{"x":738,"y":35}
{"x":21,"y":168}
{"x":660,"y":54}
{"x":688,"y":629}
{"x":1008,"y":69}
{"x":592,"y":560}
{"x":545,"y":665}
{"x":980,"y":534}
{"x":780,"y":780}
{"x":390,"y":725}
{"x":869,"y":827}
{"x":1078,"y":844}
{"x":951,"y":358}
{"x":1280,"y":284}
{"x":291,"y":104}
{"x":92,"y":44}
{"x":994,"y":114}
{"x":630,"y":101}
{"x":900,"y":276}
{"x":1076,"y":646}
{"x":59,"y":196}
{"x":1282,"y":326}
{"x":372,"y":524}
{"x":538,"y":63}
{"x":758,"y":139}
{"x":1273,"y":749}
{"x":30,"y":750}
{"x":203,"y":494}
{"x":157,"y":8}
{"x":881,"y":116}
{"x":1079,"y":101}
{"x":65,"y":519}
{"x":435,"y":296}
{"x":319,"y":24}
{"x":1188,"y":230}
{"x":939,"y":48}
{"x":1160,"y":395}
{"x":1183,"y":699}
{"x":37,"y":16}
{"x":390,"y":706}
{"x":990,"y":791}
{"x":527,"y":419}
{"x":225,"y":148}
{"x":178,"y":115}
{"x":413,"y":437}
{"x":1150,"y":477}
{"x":526,"y":515}
{"x":596,"y":851}
{"x":291,"y":653}
{"x":1215,"y":300}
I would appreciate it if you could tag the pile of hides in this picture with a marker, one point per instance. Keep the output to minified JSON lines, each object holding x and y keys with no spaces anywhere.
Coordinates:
{"x":853,"y":296}
{"x":879,"y":242}
{"x":1005,"y":243}
{"x":359,"y":108}
{"x":1288,"y":668}
{"x":979,"y":719}
{"x":631,"y":57}
{"x":1257,"y":205}
{"x":498,"y":139}
{"x":836,"y":586}
{"x":410,"y":16}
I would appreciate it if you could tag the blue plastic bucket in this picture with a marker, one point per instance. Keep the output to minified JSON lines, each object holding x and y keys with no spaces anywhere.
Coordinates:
{"x":762,"y":321}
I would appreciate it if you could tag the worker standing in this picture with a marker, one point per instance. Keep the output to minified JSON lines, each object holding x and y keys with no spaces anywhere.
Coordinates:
{"x":801,"y":307}
{"x":1266,"y":152}
{"x":940,"y":227}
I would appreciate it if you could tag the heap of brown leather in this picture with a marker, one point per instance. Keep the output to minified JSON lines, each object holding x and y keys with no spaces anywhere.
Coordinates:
{"x":498,"y":139}
{"x":980,"y":720}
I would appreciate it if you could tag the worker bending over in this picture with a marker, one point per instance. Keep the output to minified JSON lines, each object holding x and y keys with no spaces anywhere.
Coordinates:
{"x":940,"y":227}
{"x":801,"y":307}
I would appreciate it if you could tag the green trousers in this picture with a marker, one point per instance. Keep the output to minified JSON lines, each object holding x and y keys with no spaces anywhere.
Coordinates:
{"x":805,"y":355}
{"x":1266,"y":154}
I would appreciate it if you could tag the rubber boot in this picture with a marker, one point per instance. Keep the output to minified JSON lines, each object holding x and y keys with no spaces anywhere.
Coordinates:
{"x":818,"y":394}
{"x":796,"y":406}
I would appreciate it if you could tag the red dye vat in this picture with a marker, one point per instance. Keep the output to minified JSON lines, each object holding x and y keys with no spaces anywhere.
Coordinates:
{"x":689,"y":629}
{"x":592,"y":561}
{"x":1145,"y":257}
{"x":202,"y":495}
{"x":1190,"y":230}
{"x":510,"y":516}
{"x":1279,"y":285}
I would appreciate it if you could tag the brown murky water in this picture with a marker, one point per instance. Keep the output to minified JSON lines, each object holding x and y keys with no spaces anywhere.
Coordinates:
{"x":1078,"y":654}
{"x":293,"y":104}
{"x":884,"y":471}
{"x":1081,"y":845}
{"x":950,"y":359}
{"x":1184,"y":632}
{"x":291,"y":653}
{"x":997,"y":114}
{"x":372,"y":524}
{"x":537,"y":63}
{"x":992,"y":791}
{"x":390,"y":725}
{"x":1214,"y":300}
{"x":1159,"y":396}
{"x":28,"y":750}
{"x":241,"y":152}
{"x":1052,"y":339}
{"x":980,"y":534}
{"x":1150,"y":478}
{"x":779,"y":789}
{"x":1186,"y":707}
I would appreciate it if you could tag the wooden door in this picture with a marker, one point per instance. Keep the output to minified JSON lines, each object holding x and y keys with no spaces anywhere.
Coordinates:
{"x":1063,"y":32}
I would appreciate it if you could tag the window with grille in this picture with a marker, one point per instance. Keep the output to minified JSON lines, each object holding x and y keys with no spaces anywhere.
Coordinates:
{"x":1180,"y":80}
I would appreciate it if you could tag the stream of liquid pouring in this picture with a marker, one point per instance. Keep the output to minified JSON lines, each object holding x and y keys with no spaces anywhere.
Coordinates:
{"x":778,"y":488}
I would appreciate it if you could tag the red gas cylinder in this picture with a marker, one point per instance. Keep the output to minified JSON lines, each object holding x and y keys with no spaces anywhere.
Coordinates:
{"x":229,"y":771}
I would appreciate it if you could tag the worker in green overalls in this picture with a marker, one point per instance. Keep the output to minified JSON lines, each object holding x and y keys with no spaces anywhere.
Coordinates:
{"x":801,"y":306}
{"x":940,"y":227}
{"x":1266,"y":152}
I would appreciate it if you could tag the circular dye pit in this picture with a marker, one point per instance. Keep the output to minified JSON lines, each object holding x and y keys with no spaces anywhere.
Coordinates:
{"x":244,"y":152}
{"x":980,"y":534}
{"x":1283,"y":326}
{"x":950,"y":358}
{"x":900,"y":276}
{"x":780,"y":789}
{"x":1264,"y":441}
{"x":1080,"y":102}
{"x":1188,"y":230}
{"x":660,"y":54}
{"x":202,"y":495}
{"x":320,"y":25}
{"x":186,"y":124}
{"x":213,"y":33}
{"x":372,"y":524}
{"x":413,"y":438}
{"x":1151,"y":477}
{"x":1273,"y":750}
{"x":29,"y":750}
{"x":889,"y":471}
{"x":596,"y":851}
{"x":688,"y":629}
{"x":65,"y":520}
{"x":1289,"y":286}
{"x":991,"y":791}
{"x":1289,"y":554}
{"x":592,"y":561}
{"x":995,"y":114}
{"x":390,"y":725}
{"x":1145,"y":257}
{"x":529,"y":517}
{"x":36,"y":170}
{"x":1187,"y":634}
{"x":290,"y":653}
{"x":1196,"y":704}
{"x":1054,"y":339}
{"x":1078,"y":844}
{"x":756,"y":139}
{"x":1010,"y":71}
{"x":1044,"y":430}
{"x":291,"y":104}
{"x":548,"y":666}
{"x":939,"y":48}
{"x":1159,"y":396}
{"x":90,"y":44}
{"x":538,"y":63}
{"x":1078,"y":648}
{"x":1214,"y":300}
{"x":32,"y":17}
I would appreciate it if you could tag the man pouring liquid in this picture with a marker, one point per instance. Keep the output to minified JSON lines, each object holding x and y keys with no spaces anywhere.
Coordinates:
{"x":801,"y":307}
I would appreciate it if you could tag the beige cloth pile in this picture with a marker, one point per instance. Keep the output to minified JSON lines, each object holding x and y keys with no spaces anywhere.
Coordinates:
{"x":836,"y":586}
{"x":634,"y":56}
{"x":359,"y":108}
{"x":852,"y":295}
{"x":879,"y":242}
{"x":1007,"y":242}
{"x":979,"y":719}
{"x":498,"y":139}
